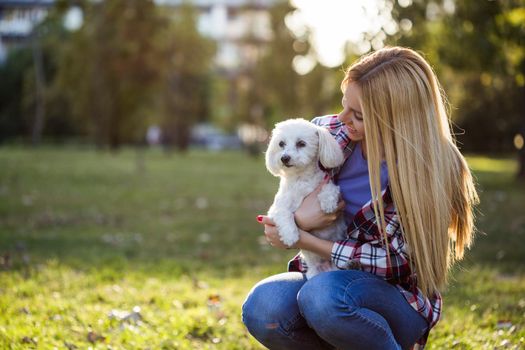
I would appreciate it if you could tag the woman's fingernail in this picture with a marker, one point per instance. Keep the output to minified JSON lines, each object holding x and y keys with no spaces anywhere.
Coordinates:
{"x":326,"y":176}
{"x":259,"y":218}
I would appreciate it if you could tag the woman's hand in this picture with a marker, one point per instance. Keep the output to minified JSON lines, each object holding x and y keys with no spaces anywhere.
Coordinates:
{"x":306,"y":240}
{"x":272,"y":233}
{"x":310,"y":217}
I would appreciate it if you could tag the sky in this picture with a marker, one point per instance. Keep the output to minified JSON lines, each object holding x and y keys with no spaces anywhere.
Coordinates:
{"x":333,"y":23}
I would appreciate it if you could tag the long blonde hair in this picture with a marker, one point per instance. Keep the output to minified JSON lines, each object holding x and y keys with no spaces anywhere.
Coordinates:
{"x":407,"y":124}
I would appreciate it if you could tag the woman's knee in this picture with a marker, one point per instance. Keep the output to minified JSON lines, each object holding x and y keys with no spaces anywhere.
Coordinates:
{"x":324,"y":299}
{"x":270,"y":304}
{"x":320,"y":298}
{"x":257,"y":310}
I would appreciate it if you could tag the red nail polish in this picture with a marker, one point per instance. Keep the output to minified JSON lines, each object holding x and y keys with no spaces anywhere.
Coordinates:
{"x":259,"y":218}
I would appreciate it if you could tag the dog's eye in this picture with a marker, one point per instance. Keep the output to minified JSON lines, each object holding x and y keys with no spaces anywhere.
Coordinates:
{"x":282,"y":144}
{"x":300,"y":144}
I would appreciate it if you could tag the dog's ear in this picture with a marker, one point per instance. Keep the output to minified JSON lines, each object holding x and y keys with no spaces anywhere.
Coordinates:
{"x":269,"y":156}
{"x":330,"y":153}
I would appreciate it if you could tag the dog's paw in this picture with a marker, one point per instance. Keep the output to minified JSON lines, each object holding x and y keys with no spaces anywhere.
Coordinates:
{"x":289,"y":240}
{"x":328,"y":207}
{"x":328,"y":198}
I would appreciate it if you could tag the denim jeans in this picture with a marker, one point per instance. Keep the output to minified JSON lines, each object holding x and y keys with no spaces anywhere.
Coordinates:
{"x":339,"y":309}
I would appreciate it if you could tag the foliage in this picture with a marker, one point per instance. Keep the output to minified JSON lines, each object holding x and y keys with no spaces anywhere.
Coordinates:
{"x":111,"y":67}
{"x":18,"y":97}
{"x":86,"y":236}
{"x":186,"y":88}
{"x":131,"y":64}
{"x":276,"y":83}
{"x":134,"y":63}
{"x":13,"y":120}
{"x":478,"y":49}
{"x":275,"y":90}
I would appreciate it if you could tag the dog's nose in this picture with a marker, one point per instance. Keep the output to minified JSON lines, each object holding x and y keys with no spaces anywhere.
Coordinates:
{"x":285,"y":159}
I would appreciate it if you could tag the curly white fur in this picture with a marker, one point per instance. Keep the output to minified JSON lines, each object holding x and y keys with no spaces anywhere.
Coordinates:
{"x":295,"y":149}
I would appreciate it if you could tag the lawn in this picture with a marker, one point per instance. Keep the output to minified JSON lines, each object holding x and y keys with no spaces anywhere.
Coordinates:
{"x":153,"y":251}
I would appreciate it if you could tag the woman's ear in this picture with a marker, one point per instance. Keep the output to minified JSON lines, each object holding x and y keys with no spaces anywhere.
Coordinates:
{"x":269,"y":157}
{"x":330,"y":153}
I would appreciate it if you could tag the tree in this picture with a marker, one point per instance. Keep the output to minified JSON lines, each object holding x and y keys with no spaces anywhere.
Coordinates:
{"x":278,"y":88}
{"x":110,"y":70}
{"x":479,"y":50}
{"x":275,"y":78}
{"x":13,"y":117}
{"x":186,"y":87}
{"x":264,"y":89}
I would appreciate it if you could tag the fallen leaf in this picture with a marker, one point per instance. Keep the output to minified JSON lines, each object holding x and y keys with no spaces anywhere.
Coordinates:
{"x":24,"y":310}
{"x":29,"y":340}
{"x":70,"y":346}
{"x":214,"y":299}
{"x":204,"y":255}
{"x":214,"y":302}
{"x":5,"y":261}
{"x":93,"y":337}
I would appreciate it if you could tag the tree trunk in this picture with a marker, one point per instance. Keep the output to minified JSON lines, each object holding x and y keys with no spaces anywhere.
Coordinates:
{"x":40,"y":108}
{"x":521,"y":168}
{"x":182,"y":137}
{"x":521,"y":158}
{"x":521,"y":152}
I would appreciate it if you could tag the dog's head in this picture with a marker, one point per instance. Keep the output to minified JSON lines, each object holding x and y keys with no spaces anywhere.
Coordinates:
{"x":297,"y":144}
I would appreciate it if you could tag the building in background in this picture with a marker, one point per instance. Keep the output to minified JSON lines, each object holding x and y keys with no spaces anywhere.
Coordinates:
{"x":17,"y":19}
{"x":240,"y":27}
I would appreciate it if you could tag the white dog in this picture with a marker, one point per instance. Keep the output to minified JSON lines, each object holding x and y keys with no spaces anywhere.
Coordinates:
{"x":296,"y":148}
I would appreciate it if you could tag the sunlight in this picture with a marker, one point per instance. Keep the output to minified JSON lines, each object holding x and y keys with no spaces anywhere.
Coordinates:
{"x":334,"y":23}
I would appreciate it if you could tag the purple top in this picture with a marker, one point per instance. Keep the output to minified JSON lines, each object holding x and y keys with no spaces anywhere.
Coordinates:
{"x":354,"y":182}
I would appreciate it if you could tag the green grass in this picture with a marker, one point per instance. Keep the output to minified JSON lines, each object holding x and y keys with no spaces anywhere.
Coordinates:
{"x":89,"y":234}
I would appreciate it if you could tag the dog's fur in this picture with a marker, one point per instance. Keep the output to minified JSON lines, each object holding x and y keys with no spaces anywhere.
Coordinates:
{"x":294,"y":152}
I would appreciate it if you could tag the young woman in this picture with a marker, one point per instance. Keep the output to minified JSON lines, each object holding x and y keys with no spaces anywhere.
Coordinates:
{"x":408,"y":199}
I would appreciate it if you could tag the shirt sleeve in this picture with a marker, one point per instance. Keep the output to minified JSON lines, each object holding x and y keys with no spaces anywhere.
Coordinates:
{"x":368,"y":252}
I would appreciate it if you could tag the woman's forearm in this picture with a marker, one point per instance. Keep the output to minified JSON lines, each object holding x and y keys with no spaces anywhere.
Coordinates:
{"x":316,"y":245}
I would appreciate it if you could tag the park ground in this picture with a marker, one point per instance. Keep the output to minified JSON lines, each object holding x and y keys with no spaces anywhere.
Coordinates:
{"x":143,"y":250}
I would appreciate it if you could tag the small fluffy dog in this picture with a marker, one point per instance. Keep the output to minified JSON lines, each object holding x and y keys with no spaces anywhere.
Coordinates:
{"x":295,"y":150}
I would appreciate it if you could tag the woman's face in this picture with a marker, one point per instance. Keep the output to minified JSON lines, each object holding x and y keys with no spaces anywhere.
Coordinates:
{"x":351,"y":114}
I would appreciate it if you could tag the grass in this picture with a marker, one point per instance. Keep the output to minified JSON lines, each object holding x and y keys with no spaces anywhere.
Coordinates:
{"x":171,"y":242}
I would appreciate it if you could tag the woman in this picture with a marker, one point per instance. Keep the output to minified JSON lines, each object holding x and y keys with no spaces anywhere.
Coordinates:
{"x":408,"y":198}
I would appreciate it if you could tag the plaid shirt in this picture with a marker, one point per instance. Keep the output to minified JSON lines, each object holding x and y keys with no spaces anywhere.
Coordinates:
{"x":364,"y":249}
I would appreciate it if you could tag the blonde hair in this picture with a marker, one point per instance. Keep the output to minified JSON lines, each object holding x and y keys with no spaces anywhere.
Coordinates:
{"x":406,"y":124}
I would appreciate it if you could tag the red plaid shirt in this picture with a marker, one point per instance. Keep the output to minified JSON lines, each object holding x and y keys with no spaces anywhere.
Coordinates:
{"x":364,"y":248}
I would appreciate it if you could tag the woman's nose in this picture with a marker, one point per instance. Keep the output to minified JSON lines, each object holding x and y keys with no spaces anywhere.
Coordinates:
{"x":344,"y":117}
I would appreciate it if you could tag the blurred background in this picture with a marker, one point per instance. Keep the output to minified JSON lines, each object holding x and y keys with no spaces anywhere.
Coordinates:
{"x":219,"y":74}
{"x":131,"y":168}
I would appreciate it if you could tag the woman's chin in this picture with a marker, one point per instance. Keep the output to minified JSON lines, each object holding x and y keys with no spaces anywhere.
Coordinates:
{"x":354,"y":138}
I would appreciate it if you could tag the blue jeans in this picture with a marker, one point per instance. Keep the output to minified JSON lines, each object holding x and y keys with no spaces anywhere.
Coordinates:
{"x":339,"y":309}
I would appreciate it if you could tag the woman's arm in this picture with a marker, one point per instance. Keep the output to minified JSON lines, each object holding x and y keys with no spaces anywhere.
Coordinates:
{"x":306,"y":240}
{"x":310,"y":217}
{"x":315,"y":244}
{"x":368,"y":254}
